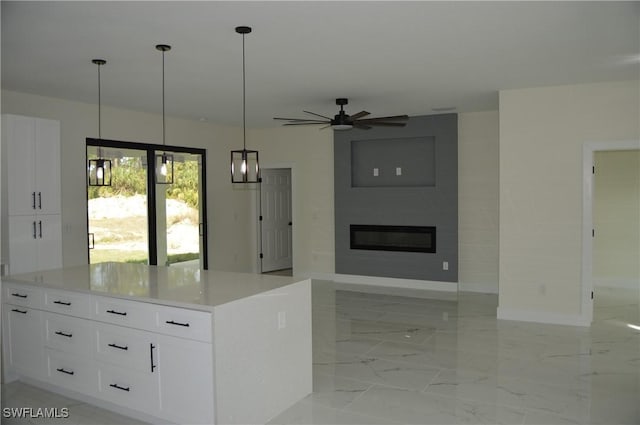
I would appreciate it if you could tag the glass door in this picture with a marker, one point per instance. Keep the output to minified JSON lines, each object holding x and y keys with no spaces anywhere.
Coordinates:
{"x":118,"y":214}
{"x":137,"y":220}
{"x":180,"y":228}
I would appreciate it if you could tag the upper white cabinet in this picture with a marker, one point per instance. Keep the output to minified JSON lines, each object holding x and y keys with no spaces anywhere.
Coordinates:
{"x":32,"y":146}
{"x":31,"y":154}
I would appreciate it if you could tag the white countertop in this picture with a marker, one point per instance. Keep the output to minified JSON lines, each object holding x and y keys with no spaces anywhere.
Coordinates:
{"x":179,"y":286}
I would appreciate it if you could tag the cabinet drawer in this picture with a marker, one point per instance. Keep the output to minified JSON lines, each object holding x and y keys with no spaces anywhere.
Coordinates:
{"x":184,"y":323}
{"x":137,"y":390}
{"x":126,"y":348}
{"x":70,"y":303}
{"x":68,"y":334}
{"x":24,"y":295}
{"x":72,"y":372}
{"x":123,"y":312}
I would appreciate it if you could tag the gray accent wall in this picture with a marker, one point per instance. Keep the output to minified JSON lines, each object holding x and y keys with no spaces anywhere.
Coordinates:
{"x":425,"y":193}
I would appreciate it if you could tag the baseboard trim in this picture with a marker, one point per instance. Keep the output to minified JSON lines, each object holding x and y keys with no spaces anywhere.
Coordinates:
{"x":542,"y":317}
{"x":483,"y":288}
{"x":388,"y":282}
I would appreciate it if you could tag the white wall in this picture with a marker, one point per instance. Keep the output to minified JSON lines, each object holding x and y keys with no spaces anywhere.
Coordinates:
{"x":309,"y":152}
{"x":478,"y":187}
{"x":542,"y":132}
{"x":616,"y":219}
{"x":228,"y":206}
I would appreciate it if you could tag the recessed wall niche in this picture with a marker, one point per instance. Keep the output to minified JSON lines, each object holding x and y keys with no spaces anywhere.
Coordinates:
{"x":394,"y":162}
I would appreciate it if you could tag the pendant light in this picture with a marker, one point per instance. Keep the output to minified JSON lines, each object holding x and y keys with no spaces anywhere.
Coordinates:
{"x":244,"y":163}
{"x":99,"y":169}
{"x":164,"y":161}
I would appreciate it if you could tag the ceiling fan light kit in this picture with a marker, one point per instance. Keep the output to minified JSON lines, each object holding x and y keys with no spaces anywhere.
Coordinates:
{"x":343,"y":121}
{"x":245,"y":166}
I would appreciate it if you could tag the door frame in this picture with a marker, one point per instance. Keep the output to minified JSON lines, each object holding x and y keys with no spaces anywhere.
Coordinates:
{"x":151,"y":150}
{"x":588,"y":150}
{"x":269,"y":166}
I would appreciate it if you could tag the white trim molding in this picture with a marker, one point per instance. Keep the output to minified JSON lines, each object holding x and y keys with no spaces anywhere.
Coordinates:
{"x":481,"y":288}
{"x":543,"y":317}
{"x":388,"y":282}
{"x":588,"y":150}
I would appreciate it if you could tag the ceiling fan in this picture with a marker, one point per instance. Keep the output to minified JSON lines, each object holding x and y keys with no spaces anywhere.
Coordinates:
{"x":344,"y":121}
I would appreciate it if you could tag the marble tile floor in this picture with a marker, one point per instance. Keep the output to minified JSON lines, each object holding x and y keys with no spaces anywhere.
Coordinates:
{"x":388,"y":359}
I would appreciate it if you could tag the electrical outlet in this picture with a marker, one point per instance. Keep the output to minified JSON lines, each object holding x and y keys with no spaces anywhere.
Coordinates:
{"x":376,"y":172}
{"x":445,"y":265}
{"x":398,"y":171}
{"x":282,"y":320}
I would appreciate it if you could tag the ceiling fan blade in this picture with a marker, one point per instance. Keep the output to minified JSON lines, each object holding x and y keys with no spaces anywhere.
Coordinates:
{"x":361,"y":126}
{"x":386,"y":124}
{"x":305,"y":123}
{"x":317,"y":115}
{"x":326,"y":126}
{"x":392,"y":118}
{"x":299,"y":120}
{"x":359,"y":115}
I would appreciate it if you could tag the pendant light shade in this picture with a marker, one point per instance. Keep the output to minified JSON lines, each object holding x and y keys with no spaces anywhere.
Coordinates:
{"x":245,"y":166}
{"x":164,"y":161}
{"x":99,"y":169}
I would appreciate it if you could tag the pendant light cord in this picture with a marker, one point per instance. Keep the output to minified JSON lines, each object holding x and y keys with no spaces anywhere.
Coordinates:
{"x":244,"y":101}
{"x":99,"y":107}
{"x":163,"y":119}
{"x":99,"y":62}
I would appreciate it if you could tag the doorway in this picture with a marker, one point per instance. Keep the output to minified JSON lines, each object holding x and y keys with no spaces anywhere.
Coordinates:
{"x":276,"y":225}
{"x":137,"y":220}
{"x":592,"y":271}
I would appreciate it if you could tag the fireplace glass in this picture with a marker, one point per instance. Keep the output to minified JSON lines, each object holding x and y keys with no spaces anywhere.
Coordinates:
{"x":393,"y":238}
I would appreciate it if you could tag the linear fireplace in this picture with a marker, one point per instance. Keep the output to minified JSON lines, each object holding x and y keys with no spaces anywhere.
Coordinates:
{"x":393,"y":238}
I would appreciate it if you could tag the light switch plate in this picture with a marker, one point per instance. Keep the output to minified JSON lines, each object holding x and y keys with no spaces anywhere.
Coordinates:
{"x":376,"y":172}
{"x":398,"y":171}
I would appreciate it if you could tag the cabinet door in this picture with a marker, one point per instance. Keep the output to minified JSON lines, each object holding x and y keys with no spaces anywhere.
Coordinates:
{"x":180,"y":361}
{"x":47,"y":166}
{"x":22,"y":244}
{"x":49,"y":242}
{"x":23,"y":340}
{"x":19,"y":133}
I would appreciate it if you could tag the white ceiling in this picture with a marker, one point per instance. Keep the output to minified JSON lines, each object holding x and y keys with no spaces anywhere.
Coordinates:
{"x":387,"y":57}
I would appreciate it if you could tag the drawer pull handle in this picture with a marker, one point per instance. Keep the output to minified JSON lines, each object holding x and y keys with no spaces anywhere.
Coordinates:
{"x":68,"y":372}
{"x":171,"y":322}
{"x":119,"y":387}
{"x":119,"y":347}
{"x":19,"y":295}
{"x":119,"y":313}
{"x":62,"y":303}
{"x":20,"y":311}
{"x":64,"y":334}
{"x":153,"y":366}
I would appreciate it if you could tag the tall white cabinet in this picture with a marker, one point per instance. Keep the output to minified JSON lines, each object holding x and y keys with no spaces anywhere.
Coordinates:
{"x":32,"y":223}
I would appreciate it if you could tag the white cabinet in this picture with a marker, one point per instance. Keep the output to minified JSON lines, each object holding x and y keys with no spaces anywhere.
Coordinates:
{"x":180,"y":361}
{"x":31,"y":152}
{"x":133,"y":354}
{"x":34,"y":243}
{"x":23,"y":340}
{"x":32,"y":146}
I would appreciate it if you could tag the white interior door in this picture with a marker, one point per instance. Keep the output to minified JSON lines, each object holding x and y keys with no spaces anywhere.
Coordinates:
{"x":276,"y":224}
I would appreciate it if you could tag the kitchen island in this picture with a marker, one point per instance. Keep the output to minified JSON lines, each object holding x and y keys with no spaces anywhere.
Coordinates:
{"x":162,"y":344}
